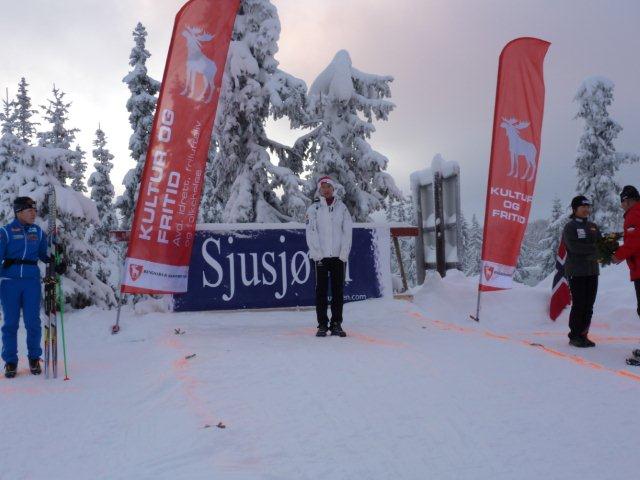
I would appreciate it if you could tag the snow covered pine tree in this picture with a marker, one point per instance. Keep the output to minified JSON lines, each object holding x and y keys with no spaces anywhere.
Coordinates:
{"x":254,"y":89}
{"x":401,"y":211}
{"x":597,"y":161}
{"x":474,"y":247}
{"x":548,"y":245}
{"x":141,"y":106}
{"x":11,"y":151}
{"x":337,"y":146}
{"x":50,"y":165}
{"x":102,"y":193}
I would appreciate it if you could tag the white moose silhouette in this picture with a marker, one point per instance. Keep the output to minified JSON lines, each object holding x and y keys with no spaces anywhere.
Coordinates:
{"x":519,"y":148}
{"x":198,"y":63}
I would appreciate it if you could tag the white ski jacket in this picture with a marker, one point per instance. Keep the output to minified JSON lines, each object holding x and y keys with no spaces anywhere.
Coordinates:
{"x":329,"y":230}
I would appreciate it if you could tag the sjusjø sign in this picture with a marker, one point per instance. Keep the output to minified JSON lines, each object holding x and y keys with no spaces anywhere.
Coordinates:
{"x":252,"y":267}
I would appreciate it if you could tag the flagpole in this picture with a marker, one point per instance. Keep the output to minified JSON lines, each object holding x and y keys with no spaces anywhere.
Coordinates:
{"x":477,"y":317}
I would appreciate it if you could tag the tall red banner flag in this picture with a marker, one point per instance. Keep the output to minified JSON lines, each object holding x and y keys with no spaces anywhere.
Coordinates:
{"x":166,"y":212}
{"x":515,"y":150}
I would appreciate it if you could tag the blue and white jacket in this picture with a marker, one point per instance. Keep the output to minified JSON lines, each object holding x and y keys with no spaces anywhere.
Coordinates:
{"x":22,"y":242}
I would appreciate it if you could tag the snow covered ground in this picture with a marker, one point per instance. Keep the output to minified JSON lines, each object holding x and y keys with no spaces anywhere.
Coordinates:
{"x":416,"y":391}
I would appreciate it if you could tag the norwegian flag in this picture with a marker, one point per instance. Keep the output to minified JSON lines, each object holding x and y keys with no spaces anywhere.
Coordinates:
{"x":560,"y":293}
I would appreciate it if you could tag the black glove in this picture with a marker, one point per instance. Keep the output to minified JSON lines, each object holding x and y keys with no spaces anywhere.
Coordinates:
{"x":61,"y":268}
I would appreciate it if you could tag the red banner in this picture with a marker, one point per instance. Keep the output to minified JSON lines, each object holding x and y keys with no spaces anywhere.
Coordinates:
{"x":166,"y":212}
{"x":515,"y":150}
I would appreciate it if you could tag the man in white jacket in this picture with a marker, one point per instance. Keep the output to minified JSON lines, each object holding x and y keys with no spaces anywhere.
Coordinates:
{"x":329,"y":230}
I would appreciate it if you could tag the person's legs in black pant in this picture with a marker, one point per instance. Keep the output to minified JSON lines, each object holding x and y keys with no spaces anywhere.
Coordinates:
{"x":591,"y":290}
{"x":322,"y":283}
{"x":579,"y":307}
{"x":337,"y":291}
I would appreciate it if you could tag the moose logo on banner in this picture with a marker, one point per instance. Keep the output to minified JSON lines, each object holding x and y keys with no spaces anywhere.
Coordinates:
{"x":198,"y":64}
{"x":519,"y":148}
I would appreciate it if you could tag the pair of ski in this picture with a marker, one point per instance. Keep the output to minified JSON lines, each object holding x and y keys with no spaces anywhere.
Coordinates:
{"x":634,"y":360}
{"x":53,"y":298}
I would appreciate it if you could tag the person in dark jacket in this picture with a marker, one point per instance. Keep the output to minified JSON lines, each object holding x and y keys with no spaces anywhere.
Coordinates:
{"x":22,"y":244}
{"x":630,"y":250}
{"x":581,"y":269}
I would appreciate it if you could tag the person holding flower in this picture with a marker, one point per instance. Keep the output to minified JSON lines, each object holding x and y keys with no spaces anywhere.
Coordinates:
{"x":581,"y":269}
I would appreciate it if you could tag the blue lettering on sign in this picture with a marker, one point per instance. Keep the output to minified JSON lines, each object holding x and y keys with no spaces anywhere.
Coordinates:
{"x":268,"y":268}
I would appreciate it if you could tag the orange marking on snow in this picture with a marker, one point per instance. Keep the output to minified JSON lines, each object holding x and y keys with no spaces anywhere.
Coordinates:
{"x":309,"y":332}
{"x":375,"y":341}
{"x":604,"y":326}
{"x":496,"y":336}
{"x":180,"y":364}
{"x":301,"y":332}
{"x":190,"y":384}
{"x":171,"y":342}
{"x":599,"y":339}
{"x":633,"y":376}
{"x":564,"y":356}
{"x":594,"y":336}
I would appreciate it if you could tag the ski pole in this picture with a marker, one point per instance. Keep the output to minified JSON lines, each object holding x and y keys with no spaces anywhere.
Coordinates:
{"x":64,"y":343}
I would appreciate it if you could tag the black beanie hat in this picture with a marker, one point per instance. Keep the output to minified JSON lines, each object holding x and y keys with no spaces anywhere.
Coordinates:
{"x":579,"y":201}
{"x":629,"y":192}
{"x":23,"y":203}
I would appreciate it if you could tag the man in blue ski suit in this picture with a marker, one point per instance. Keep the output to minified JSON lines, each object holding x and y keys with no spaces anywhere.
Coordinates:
{"x":22,"y":243}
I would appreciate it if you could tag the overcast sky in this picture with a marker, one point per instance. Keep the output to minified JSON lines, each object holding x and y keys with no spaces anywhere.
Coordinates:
{"x":443,"y":55}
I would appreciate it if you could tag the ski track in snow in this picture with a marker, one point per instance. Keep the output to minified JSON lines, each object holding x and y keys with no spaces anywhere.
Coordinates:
{"x":416,"y":391}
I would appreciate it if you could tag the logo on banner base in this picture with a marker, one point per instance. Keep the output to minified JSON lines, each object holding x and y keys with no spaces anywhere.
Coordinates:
{"x":519,"y":148}
{"x":198,"y":63}
{"x":488,"y":273}
{"x":135,"y":271}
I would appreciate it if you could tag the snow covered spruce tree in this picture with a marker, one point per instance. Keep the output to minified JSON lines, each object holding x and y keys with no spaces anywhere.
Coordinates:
{"x":527,"y":268}
{"x":211,"y":208}
{"x":402,"y":211}
{"x":25,"y":128}
{"x":56,"y":114}
{"x":141,"y":107}
{"x":338,"y":145}
{"x":548,"y":245}
{"x":249,"y":185}
{"x":38,"y":170}
{"x":48,"y":166}
{"x":102,"y":193}
{"x":464,"y":233}
{"x":597,"y":161}
{"x":79,"y":169}
{"x":11,"y":151}
{"x":473,"y":251}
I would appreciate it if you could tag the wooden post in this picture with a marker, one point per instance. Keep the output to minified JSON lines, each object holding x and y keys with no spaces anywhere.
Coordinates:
{"x":419,"y":242}
{"x":440,"y":225}
{"x":405,"y":285}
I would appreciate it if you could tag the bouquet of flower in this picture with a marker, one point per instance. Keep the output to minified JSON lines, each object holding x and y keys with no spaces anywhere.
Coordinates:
{"x":607,"y":246}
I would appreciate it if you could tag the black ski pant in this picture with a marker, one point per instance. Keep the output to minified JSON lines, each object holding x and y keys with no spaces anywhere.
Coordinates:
{"x":583,"y":296}
{"x":637,"y":285}
{"x":327,"y":268}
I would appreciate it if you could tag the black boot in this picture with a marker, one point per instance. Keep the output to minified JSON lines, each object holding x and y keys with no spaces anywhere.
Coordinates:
{"x":633,"y":361}
{"x":322,"y":331}
{"x":336,"y":330}
{"x":10,"y":370}
{"x":34,"y":366}
{"x":588,"y":342}
{"x":578,"y":342}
